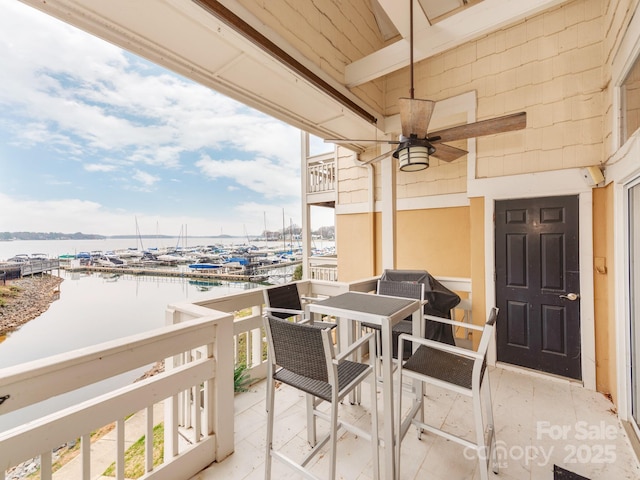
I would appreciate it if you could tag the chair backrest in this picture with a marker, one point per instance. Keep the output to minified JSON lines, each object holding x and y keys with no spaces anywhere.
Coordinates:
{"x":400,"y":289}
{"x":483,"y":347}
{"x":283,"y":296}
{"x":489,"y":326}
{"x":297,"y":347}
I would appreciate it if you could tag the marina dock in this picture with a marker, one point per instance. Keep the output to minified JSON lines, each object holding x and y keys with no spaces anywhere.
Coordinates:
{"x":258,"y":274}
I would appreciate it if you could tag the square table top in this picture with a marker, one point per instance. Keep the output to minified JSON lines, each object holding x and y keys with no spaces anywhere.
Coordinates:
{"x":366,"y":303}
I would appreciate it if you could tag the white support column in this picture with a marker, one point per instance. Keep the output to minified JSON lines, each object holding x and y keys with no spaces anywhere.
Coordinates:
{"x":388,"y":202}
{"x":306,"y":209}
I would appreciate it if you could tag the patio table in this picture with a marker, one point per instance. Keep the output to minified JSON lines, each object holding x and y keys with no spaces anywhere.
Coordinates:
{"x":352,"y":307}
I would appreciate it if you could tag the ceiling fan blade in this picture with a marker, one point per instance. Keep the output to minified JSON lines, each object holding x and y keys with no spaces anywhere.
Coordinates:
{"x":507,"y":123}
{"x":415,"y":115}
{"x":351,"y":141}
{"x":448,"y":153}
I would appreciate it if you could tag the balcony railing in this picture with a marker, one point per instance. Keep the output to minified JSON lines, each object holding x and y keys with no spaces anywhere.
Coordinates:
{"x":324,"y":268}
{"x":200,"y":346}
{"x":321,"y":175}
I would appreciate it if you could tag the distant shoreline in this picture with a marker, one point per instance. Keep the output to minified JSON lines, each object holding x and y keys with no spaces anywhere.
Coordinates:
{"x":12,"y":236}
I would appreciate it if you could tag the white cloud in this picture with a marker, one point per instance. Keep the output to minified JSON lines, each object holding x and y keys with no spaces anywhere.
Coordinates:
{"x":260,"y":175}
{"x":145,"y":178}
{"x":85,"y":90}
{"x":99,"y":167}
{"x":91,"y":103}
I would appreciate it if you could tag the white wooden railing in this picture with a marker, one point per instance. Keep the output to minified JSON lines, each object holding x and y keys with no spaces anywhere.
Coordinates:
{"x":201,"y":344}
{"x":323,"y":268}
{"x":206,"y":342}
{"x":321,"y":175}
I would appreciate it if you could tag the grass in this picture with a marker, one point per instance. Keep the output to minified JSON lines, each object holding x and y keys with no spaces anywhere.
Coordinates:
{"x":69,"y":453}
{"x":134,"y":464}
{"x":7,"y":292}
{"x":134,"y":456}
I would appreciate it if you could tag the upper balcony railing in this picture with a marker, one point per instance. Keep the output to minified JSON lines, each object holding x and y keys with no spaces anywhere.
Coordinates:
{"x":201,"y":345}
{"x":321,"y":178}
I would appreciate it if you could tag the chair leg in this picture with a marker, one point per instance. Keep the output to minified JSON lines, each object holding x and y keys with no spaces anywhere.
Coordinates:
{"x":398,"y":422}
{"x":311,"y":420}
{"x":334,"y":438}
{"x":270,"y":419}
{"x":374,"y":427}
{"x":490,"y":424}
{"x":482,"y":449}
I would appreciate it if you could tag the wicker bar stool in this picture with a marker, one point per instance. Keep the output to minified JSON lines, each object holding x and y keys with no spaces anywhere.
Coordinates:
{"x":459,"y":370}
{"x":283,"y":301}
{"x":304,"y":357}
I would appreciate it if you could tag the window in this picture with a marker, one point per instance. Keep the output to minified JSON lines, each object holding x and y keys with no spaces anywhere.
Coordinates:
{"x":630,"y":96}
{"x":634,"y":297}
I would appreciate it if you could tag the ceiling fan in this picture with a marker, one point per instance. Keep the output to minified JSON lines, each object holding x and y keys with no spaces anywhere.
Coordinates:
{"x":417,"y":144}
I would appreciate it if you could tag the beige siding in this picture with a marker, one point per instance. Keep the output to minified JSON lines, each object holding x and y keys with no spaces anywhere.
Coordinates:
{"x":556,"y":66}
{"x":550,"y":66}
{"x":353,"y":183}
{"x":332,"y":34}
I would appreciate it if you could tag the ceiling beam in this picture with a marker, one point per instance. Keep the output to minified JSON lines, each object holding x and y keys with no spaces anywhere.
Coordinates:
{"x":398,"y":13}
{"x":236,"y":23}
{"x":470,"y":24}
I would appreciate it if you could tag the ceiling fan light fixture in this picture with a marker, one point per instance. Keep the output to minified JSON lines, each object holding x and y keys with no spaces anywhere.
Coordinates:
{"x":413,"y":158}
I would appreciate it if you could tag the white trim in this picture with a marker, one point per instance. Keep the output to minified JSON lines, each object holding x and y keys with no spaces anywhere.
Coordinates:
{"x":433,"y":201}
{"x":621,"y":301}
{"x":561,"y":183}
{"x":625,"y":174}
{"x":623,"y":170}
{"x":466,"y":26}
{"x":351,"y":208}
{"x":389,"y":218}
{"x":624,"y":59}
{"x":587,"y":310}
{"x":406,"y":204}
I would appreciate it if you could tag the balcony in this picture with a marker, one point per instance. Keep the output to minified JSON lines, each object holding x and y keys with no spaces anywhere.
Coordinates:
{"x":541,"y":421}
{"x":321,"y":180}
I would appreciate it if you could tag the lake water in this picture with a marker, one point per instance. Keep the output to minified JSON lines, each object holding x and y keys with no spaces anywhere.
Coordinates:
{"x":94,"y":308}
{"x":54,"y":248}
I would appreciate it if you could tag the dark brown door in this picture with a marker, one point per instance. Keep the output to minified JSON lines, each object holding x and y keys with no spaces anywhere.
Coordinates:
{"x":537,"y":284}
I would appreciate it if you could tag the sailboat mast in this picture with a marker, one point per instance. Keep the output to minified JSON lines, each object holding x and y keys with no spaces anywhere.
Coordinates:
{"x":266,"y":235}
{"x":139,"y":236}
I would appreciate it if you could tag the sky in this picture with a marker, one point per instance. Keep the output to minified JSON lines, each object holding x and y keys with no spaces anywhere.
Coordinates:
{"x":96,"y":140}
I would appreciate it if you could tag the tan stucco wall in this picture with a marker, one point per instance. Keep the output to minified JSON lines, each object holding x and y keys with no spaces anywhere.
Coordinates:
{"x":604,"y":290}
{"x":434,"y":240}
{"x":355,"y":244}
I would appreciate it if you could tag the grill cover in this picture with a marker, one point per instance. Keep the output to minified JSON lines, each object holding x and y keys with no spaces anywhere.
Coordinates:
{"x":440,"y":301}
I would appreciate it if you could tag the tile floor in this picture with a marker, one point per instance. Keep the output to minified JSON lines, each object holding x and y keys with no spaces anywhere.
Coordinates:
{"x":540,"y":422}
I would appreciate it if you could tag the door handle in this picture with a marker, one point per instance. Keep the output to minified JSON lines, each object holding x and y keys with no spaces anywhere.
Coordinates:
{"x":571,"y":296}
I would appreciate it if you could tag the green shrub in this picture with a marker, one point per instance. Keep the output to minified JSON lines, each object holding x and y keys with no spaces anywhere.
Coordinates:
{"x":241,"y":378}
{"x":297,"y":273}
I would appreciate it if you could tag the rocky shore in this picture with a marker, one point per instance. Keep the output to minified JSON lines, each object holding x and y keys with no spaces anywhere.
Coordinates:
{"x":32,"y":296}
